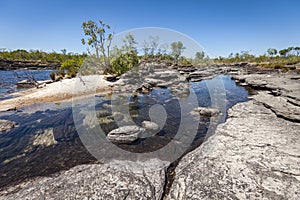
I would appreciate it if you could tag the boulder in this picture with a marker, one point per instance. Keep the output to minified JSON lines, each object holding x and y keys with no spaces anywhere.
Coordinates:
{"x":151,"y":129}
{"x":148,"y":125}
{"x":6,"y":125}
{"x":125,"y":134}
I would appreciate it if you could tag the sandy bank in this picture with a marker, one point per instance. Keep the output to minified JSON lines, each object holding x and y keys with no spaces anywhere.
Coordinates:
{"x":58,"y":91}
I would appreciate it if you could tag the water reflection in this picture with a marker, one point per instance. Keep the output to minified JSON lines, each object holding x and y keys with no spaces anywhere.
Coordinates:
{"x":22,"y":158}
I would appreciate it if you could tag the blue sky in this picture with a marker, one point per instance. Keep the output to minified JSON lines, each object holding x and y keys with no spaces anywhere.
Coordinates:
{"x":221,"y":27}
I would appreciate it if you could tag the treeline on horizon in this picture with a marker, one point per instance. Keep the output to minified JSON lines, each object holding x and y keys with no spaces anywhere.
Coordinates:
{"x":39,"y":55}
{"x":289,"y":54}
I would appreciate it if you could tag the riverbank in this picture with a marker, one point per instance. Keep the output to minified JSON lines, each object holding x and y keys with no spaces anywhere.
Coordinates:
{"x":254,"y":154}
{"x":6,"y":64}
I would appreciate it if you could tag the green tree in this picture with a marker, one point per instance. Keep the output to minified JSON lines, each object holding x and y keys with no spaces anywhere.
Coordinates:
{"x":177,"y":49}
{"x":284,"y":52}
{"x":146,"y":48}
{"x":129,"y":44}
{"x":64,"y":51}
{"x":245,"y":55}
{"x":98,"y":39}
{"x":297,"y":49}
{"x":199,"y":55}
{"x":272,"y":52}
{"x":153,"y":42}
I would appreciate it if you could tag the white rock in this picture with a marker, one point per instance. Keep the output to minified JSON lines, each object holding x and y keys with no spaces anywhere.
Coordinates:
{"x":125,"y":134}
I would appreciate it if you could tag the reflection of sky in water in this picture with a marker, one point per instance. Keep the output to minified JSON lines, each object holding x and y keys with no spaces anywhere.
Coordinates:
{"x":234,"y":93}
{"x":9,"y":78}
{"x":59,"y":117}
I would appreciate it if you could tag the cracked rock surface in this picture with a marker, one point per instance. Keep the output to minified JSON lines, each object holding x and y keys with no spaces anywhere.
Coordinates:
{"x":254,"y":154}
{"x":93,"y":181}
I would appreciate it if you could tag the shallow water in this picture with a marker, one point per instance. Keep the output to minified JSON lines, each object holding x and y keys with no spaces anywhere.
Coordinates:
{"x":8,"y":80}
{"x":21,"y":159}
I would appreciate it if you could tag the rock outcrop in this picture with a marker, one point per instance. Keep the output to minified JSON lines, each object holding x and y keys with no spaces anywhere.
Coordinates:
{"x":254,"y":154}
{"x":26,"y":64}
{"x":280,"y":93}
{"x":94,"y":181}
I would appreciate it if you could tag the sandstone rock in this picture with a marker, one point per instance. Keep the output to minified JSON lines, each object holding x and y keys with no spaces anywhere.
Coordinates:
{"x":44,"y":138}
{"x":146,"y":87}
{"x":94,"y":181}
{"x":6,"y":125}
{"x":151,"y":129}
{"x":180,"y":89}
{"x":280,"y":106}
{"x":254,"y":154}
{"x":154,"y":81}
{"x":208,"y":112}
{"x":58,"y":78}
{"x":25,"y":84}
{"x":103,"y":113}
{"x":125,"y":134}
{"x":27,"y":64}
{"x":148,"y":125}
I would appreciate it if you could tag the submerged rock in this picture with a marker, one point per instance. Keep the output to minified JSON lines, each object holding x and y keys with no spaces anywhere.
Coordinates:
{"x":208,"y":112}
{"x":125,"y":134}
{"x":6,"y":125}
{"x":181,"y":89}
{"x":44,"y":138}
{"x":151,"y":129}
{"x":148,"y":125}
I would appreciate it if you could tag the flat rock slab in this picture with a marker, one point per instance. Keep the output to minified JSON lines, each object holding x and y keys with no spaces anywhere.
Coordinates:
{"x":94,"y":181}
{"x":288,"y":85}
{"x":280,"y":106}
{"x":125,"y":134}
{"x":253,"y":155}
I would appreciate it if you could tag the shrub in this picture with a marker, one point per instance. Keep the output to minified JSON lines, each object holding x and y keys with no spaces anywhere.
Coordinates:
{"x":184,"y":61}
{"x":124,"y":63}
{"x":72,"y":66}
